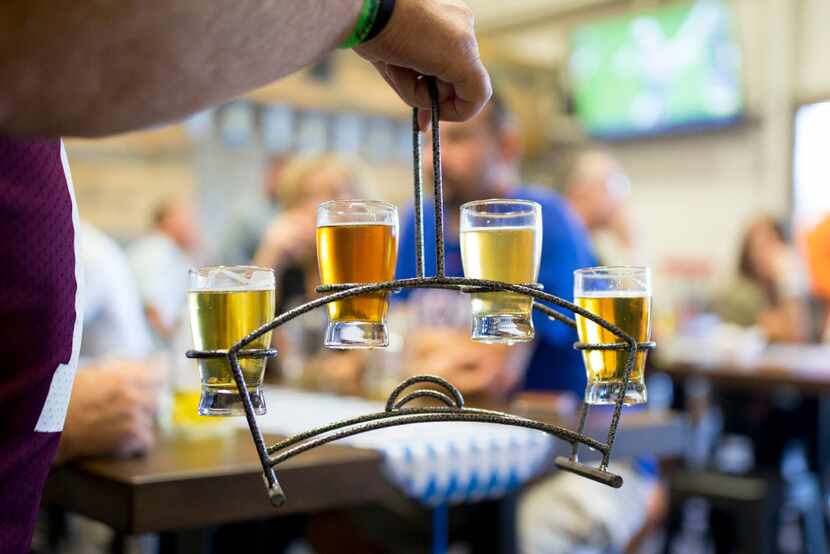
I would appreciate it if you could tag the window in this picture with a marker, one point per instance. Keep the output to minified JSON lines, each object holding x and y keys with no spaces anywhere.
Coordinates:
{"x":811,"y":165}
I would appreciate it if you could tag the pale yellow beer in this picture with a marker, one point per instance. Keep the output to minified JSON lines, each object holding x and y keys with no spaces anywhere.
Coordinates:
{"x":357,"y":253}
{"x":632,"y":314}
{"x":507,"y":254}
{"x":219,"y":319}
{"x":501,"y":240}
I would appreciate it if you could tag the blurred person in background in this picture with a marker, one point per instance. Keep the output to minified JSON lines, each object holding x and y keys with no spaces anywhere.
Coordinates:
{"x":771,"y":287}
{"x":251,"y":217}
{"x":597,"y":190}
{"x":160,"y":262}
{"x":480,"y":160}
{"x":114,"y":322}
{"x":289,"y":246}
{"x":817,"y":254}
{"x":770,"y":291}
{"x":113,"y":402}
{"x":288,"y":241}
{"x":818,"y":257}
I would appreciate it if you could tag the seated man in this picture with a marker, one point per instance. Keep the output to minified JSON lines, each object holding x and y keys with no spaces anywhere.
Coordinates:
{"x":160,"y":261}
{"x":480,"y":160}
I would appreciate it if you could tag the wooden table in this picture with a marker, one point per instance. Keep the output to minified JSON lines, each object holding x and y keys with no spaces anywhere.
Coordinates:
{"x":805,"y":368}
{"x":188,"y":483}
{"x":183,"y":483}
{"x":640,"y":433}
{"x":814,"y":381}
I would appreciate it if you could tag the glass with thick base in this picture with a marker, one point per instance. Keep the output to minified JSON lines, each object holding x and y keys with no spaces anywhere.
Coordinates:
{"x":621,"y":296}
{"x":226,"y":304}
{"x":357,"y":242}
{"x":501,"y":240}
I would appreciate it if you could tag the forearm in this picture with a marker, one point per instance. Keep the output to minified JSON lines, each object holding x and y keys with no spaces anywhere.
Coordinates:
{"x":786,"y":322}
{"x":94,"y":67}
{"x":265,"y":256}
{"x":796,"y":316}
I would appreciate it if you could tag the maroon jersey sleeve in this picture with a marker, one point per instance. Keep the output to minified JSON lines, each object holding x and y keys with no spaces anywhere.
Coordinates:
{"x":39,"y":324}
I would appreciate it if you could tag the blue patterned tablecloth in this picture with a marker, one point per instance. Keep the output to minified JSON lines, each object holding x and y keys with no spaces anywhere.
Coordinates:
{"x":435,"y":463}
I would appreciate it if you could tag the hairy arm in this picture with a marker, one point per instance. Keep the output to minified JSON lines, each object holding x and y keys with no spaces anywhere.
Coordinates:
{"x":95,"y":67}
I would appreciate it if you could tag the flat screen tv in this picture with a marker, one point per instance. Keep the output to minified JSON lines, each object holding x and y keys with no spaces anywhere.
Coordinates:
{"x":673,"y":69}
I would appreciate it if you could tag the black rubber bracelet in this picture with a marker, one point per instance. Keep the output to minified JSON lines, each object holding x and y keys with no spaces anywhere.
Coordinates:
{"x":384,"y":14}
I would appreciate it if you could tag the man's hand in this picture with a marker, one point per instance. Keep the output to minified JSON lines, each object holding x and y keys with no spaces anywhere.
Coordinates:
{"x":111,"y":412}
{"x":436,"y":38}
{"x":134,"y":64}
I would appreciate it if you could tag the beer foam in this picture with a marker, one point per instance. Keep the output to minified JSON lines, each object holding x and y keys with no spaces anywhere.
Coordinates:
{"x":241,"y":288}
{"x":496,"y":229}
{"x":613,"y":294}
{"x":231,"y":275}
{"x":357,"y":224}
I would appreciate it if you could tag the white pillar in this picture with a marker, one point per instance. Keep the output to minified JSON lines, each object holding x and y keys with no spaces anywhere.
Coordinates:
{"x":779,"y":86}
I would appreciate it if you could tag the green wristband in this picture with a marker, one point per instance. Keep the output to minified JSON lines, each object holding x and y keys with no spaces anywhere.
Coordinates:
{"x":365,"y":22}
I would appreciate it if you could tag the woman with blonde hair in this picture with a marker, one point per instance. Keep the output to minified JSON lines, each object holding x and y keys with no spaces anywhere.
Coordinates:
{"x":289,"y":246}
{"x":305,"y":183}
{"x":771,"y":289}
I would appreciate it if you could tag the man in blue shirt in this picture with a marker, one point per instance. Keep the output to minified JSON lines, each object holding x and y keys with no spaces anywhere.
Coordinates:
{"x":480,"y":160}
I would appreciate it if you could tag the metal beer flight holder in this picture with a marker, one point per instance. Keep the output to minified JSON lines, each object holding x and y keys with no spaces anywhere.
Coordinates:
{"x":397,"y":412}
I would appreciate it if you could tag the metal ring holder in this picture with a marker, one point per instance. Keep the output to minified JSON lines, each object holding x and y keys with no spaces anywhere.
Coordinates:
{"x":451,"y":401}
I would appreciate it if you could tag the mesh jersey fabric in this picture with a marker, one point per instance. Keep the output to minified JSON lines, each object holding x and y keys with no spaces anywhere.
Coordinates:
{"x":39,"y":324}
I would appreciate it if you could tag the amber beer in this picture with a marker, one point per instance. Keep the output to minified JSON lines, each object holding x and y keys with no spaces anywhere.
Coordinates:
{"x":225,"y":305}
{"x":357,"y":242}
{"x":629,"y":308}
{"x":510,"y":255}
{"x":632,"y":314}
{"x":501,"y":240}
{"x":357,"y":253}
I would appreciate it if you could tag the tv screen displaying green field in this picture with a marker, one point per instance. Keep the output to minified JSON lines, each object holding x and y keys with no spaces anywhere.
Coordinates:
{"x":672,"y":69}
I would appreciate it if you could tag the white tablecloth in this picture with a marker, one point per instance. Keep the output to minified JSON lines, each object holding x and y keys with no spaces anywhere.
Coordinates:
{"x":432,"y":462}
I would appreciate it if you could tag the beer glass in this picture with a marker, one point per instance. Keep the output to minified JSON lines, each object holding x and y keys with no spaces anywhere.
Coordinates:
{"x":357,"y":242}
{"x":501,"y":240}
{"x":622,"y":296}
{"x":226,"y":304}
